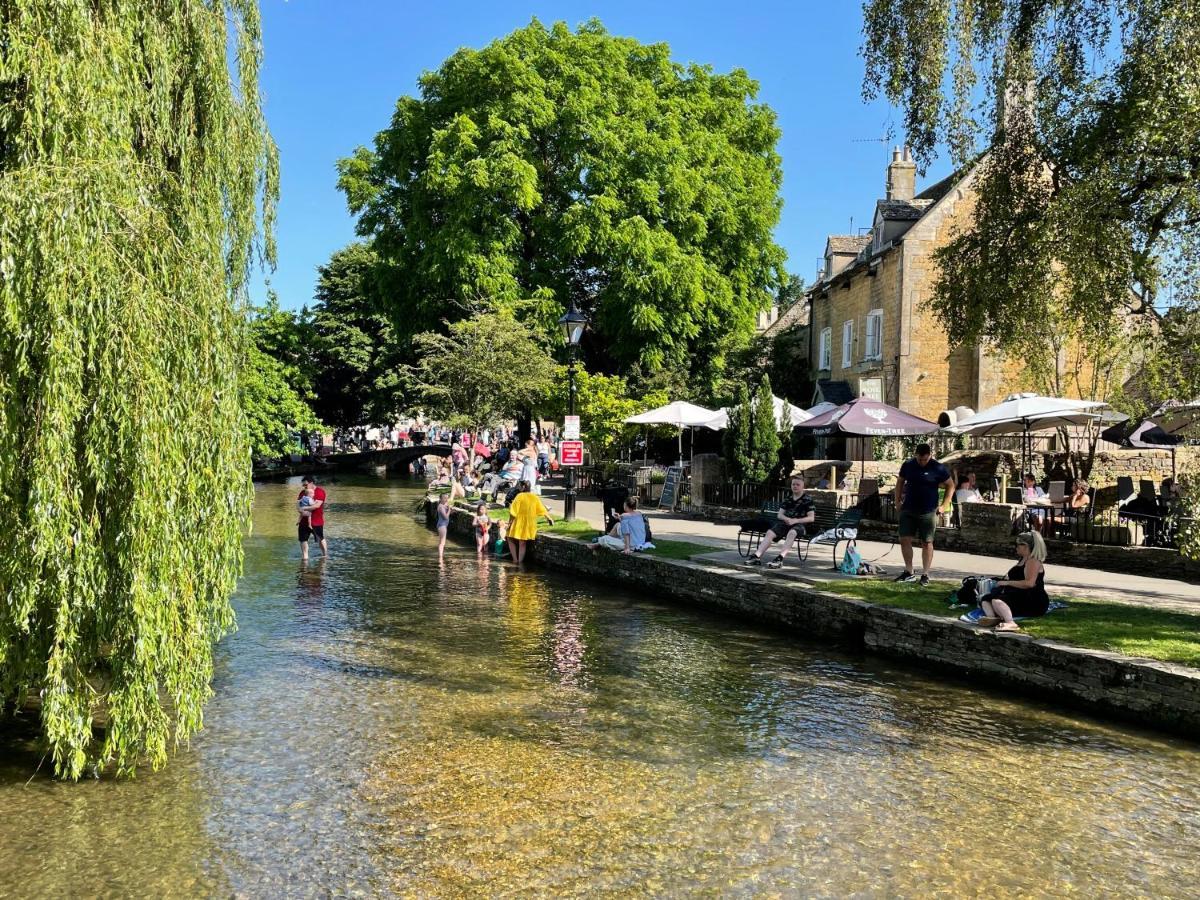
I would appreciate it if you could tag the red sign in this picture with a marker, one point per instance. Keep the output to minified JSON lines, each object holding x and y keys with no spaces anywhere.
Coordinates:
{"x":570,"y":453}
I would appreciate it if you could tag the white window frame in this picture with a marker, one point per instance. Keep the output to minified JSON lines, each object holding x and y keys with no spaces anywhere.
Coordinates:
{"x":847,"y":343}
{"x":874,"y":347}
{"x":825,"y":350}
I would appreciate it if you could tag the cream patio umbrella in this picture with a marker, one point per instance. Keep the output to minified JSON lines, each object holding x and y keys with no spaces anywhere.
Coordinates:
{"x":679,"y":413}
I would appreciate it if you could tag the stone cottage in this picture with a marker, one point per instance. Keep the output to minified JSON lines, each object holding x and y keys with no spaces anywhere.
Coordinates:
{"x":872,"y":333}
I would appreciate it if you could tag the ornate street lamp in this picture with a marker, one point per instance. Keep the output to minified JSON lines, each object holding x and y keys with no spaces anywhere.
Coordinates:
{"x":572,"y":323}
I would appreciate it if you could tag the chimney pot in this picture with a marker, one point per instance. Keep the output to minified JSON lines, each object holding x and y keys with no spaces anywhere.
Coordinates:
{"x":907,"y":158}
{"x":895,"y":154}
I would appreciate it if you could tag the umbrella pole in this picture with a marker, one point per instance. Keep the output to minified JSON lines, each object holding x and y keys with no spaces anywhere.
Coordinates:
{"x":680,"y":463}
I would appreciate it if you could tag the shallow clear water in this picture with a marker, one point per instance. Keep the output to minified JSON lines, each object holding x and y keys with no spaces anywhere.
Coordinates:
{"x":383,"y":725}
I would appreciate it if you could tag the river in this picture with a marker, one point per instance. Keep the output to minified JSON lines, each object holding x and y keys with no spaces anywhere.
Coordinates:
{"x":383,"y":725}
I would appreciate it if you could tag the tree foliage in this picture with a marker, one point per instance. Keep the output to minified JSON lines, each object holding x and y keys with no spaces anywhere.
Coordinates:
{"x":553,"y":166}
{"x":1089,"y":113}
{"x":751,"y":441}
{"x":603,"y":403}
{"x":275,"y":387}
{"x":356,"y":359}
{"x":133,"y":170}
{"x":483,"y":371}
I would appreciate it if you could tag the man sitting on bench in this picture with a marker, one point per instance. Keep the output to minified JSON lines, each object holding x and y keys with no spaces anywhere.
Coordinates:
{"x":794,"y":513}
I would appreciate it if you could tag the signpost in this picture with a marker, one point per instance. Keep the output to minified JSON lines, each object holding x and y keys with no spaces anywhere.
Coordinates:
{"x":570,"y":453}
{"x":571,"y":428}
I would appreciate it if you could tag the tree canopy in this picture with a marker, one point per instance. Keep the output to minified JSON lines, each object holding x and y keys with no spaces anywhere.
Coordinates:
{"x":557,"y":165}
{"x":484,"y":370}
{"x":275,"y":387}
{"x":1087,"y":113}
{"x":135,"y":168}
{"x":355,"y":358}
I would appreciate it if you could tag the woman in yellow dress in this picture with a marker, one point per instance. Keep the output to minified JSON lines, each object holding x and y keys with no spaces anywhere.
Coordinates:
{"x":523,"y":514}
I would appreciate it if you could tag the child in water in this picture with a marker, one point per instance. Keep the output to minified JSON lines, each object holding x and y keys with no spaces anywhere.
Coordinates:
{"x":483,"y":528}
{"x":443,"y":523}
{"x":305,"y":503}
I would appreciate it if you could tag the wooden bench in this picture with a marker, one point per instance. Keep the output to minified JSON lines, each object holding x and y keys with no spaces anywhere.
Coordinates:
{"x":829,"y":527}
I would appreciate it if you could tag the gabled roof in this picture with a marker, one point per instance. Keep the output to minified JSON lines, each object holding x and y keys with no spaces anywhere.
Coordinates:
{"x":848,"y":243}
{"x":902,"y":210}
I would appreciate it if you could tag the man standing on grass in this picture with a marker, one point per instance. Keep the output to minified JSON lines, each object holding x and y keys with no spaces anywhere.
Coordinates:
{"x":313,"y":524}
{"x":917,"y":499}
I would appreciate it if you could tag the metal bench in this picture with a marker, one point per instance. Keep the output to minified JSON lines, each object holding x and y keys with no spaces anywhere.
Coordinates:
{"x":830,"y":526}
{"x":752,"y":530}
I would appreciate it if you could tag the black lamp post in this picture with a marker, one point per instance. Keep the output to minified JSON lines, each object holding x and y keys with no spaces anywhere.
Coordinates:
{"x":572,"y":324}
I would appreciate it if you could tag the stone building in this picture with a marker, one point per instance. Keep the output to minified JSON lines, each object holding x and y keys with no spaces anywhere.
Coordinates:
{"x":872,"y":332}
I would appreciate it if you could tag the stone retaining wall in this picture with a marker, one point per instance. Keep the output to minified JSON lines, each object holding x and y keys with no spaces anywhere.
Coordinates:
{"x":1158,"y":694}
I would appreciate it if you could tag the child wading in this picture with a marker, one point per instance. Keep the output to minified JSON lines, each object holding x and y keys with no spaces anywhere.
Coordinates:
{"x":443,"y":523}
{"x":483,"y":528}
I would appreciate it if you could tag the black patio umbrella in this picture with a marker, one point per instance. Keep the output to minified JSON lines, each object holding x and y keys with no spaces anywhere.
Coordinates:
{"x":1144,"y":435}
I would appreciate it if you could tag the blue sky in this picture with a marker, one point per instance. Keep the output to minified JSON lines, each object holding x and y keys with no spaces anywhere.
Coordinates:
{"x":334,"y":69}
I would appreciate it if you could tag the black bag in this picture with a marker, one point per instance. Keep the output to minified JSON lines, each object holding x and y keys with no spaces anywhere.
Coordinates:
{"x":968,"y":593}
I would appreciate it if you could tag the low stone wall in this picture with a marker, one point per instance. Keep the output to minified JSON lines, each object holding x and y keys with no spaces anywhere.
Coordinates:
{"x":1158,"y":694}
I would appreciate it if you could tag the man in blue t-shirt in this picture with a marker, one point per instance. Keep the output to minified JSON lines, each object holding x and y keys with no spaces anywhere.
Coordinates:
{"x":917,"y":497}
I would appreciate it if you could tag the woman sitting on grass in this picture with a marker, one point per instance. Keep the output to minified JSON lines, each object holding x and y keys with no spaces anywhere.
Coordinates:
{"x":1023,"y":591}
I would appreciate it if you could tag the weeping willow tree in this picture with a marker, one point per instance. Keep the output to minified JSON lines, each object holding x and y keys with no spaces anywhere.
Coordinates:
{"x":135,"y":169}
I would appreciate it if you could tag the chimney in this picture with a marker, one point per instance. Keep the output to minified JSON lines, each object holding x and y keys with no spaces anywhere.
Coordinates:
{"x":901,"y":176}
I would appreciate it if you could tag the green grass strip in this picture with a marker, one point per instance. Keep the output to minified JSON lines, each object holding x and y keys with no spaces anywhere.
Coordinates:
{"x":1130,"y":630}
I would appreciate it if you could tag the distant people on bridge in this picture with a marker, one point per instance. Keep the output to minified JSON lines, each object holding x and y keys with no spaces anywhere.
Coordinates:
{"x":529,"y":465}
{"x":312,"y":515}
{"x":543,"y":458}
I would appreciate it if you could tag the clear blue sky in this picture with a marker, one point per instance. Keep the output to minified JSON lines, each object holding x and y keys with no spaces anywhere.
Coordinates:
{"x":334,"y":69}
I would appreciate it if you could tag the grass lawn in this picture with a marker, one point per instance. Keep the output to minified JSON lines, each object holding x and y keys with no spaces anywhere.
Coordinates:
{"x":1131,"y":630}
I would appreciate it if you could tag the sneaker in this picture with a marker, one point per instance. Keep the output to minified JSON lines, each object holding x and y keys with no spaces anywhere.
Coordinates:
{"x":754,"y":560}
{"x":776,"y":563}
{"x":924,"y":580}
{"x":905,"y":576}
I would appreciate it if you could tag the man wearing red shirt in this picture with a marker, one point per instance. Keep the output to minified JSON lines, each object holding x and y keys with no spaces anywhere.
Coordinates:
{"x":313,"y":524}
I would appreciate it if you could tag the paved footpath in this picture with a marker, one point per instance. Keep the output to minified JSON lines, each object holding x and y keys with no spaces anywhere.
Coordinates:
{"x":1069,"y":581}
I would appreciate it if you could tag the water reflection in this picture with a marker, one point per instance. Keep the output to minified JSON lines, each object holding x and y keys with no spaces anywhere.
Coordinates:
{"x":385,"y":725}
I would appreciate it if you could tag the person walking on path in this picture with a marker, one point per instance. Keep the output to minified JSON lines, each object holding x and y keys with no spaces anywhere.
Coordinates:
{"x":529,"y":465}
{"x":794,"y":514}
{"x":523,"y":515}
{"x":443,"y":524}
{"x":917,"y":497}
{"x":313,"y":524}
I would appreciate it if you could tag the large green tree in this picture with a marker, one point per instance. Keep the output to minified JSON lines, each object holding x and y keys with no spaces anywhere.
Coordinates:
{"x":133,"y":168}
{"x":557,"y":165}
{"x":483,"y":371}
{"x":355,"y":358}
{"x":275,"y":386}
{"x":1087,"y":115}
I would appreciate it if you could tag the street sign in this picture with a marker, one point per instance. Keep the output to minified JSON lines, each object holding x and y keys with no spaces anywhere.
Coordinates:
{"x":571,"y":428}
{"x":570,"y":453}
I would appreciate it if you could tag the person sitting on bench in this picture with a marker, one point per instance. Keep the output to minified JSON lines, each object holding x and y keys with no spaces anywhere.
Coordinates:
{"x":794,"y":513}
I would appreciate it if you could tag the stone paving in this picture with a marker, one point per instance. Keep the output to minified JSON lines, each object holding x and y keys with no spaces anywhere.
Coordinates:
{"x":1066,"y":581}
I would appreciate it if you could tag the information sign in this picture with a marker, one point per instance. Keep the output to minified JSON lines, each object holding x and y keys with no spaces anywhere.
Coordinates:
{"x":570,"y":453}
{"x":670,"y":489}
{"x":571,"y":428}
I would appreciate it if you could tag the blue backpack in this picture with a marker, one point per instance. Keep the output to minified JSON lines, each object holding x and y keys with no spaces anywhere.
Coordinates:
{"x":851,"y":560}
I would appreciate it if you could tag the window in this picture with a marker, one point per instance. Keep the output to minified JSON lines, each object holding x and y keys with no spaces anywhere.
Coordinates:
{"x":847,"y":343}
{"x":826,"y":340}
{"x":874,"y":334}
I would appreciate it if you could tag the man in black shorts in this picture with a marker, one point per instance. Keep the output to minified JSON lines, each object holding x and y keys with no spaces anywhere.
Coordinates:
{"x":794,"y":514}
{"x":312,"y":525}
{"x":917,"y":496}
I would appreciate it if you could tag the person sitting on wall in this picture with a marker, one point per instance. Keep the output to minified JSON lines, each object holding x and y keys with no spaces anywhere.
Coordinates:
{"x":1022,"y":592}
{"x":794,"y":514}
{"x":631,"y":532}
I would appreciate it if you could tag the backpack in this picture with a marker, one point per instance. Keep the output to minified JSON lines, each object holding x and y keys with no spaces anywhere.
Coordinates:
{"x":851,"y":560}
